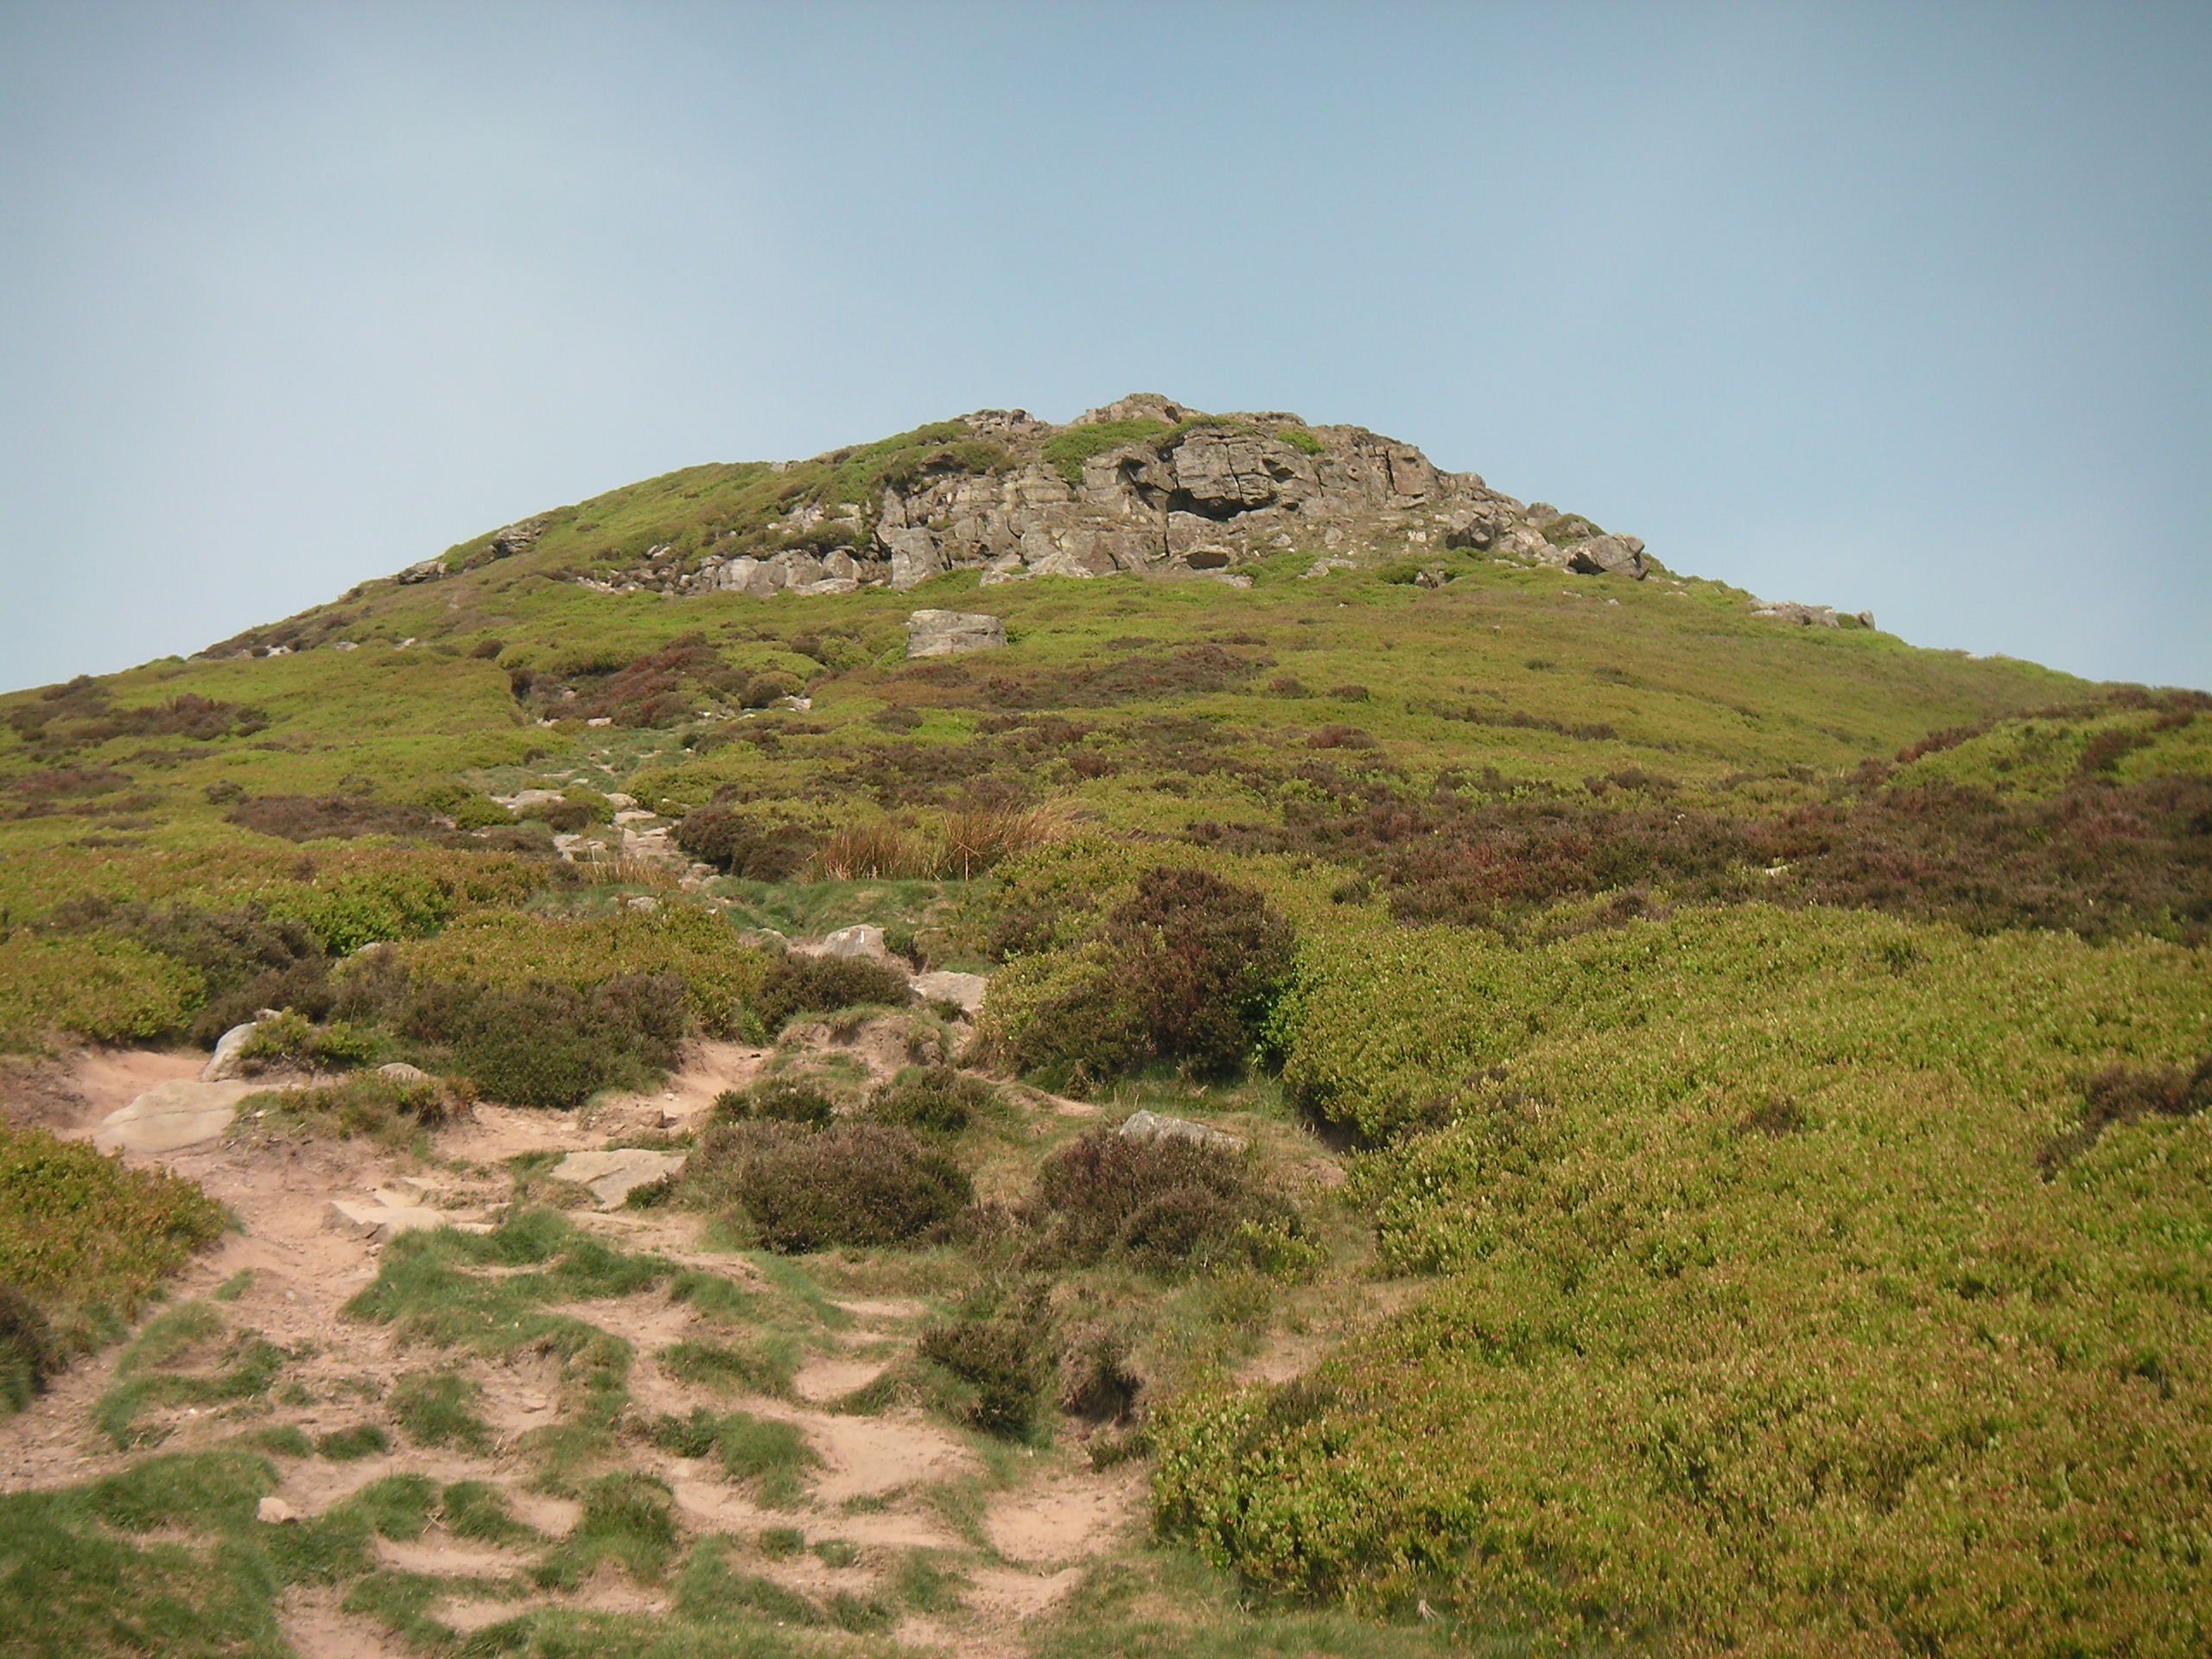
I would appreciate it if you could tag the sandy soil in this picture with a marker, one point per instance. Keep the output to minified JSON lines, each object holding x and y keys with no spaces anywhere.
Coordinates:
{"x":873,"y":1486}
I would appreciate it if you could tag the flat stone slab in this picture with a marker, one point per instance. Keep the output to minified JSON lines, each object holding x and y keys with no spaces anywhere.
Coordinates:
{"x":939,"y":986}
{"x":373,"y":1219}
{"x":611,"y":1177}
{"x":173,"y":1115}
{"x":1151,"y":1126}
{"x":945,"y":633}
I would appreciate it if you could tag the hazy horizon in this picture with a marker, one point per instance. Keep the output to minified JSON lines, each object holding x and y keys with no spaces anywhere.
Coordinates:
{"x":1884,"y":309}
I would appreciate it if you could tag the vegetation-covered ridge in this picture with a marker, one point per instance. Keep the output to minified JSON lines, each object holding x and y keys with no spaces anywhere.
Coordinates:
{"x":1770,"y":1063}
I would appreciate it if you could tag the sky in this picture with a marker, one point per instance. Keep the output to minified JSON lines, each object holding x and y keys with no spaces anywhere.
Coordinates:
{"x":1903,"y":307}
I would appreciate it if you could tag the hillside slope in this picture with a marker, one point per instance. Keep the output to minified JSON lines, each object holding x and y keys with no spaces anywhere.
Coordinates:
{"x":1764,"y":1057}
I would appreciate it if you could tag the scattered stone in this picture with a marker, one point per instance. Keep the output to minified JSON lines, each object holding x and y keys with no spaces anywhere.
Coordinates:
{"x":945,"y":633}
{"x":610,"y":1176}
{"x":171,"y":1117}
{"x":1151,"y":1126}
{"x":966,"y":989}
{"x":274,"y":1512}
{"x":406,"y":1076}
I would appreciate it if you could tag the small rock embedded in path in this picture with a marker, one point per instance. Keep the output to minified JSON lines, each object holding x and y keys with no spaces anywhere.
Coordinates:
{"x":611,"y":1177}
{"x":171,"y":1117}
{"x":1151,"y":1126}
{"x":378,"y":1221}
{"x":275,"y":1511}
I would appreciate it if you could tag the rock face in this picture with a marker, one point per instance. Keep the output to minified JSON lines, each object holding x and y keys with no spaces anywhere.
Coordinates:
{"x":1166,"y":491}
{"x":228,"y":1060}
{"x":946,"y":633}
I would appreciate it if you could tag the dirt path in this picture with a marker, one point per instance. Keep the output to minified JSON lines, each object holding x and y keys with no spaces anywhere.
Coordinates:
{"x":884,"y":1484}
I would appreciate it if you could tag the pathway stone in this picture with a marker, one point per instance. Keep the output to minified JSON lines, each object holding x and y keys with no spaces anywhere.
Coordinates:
{"x":610,"y":1176}
{"x":171,"y":1117}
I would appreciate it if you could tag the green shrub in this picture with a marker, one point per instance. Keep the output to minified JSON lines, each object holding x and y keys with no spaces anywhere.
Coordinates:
{"x":737,"y":843}
{"x":1002,"y":1354}
{"x":858,"y":1183}
{"x":936,"y":1099}
{"x":29,"y":1350}
{"x":548,"y":1044}
{"x":781,"y":1099}
{"x":370,"y":1106}
{"x":1163,"y":1206}
{"x":86,"y":1240}
{"x":1185,"y":970}
{"x":812,"y":984}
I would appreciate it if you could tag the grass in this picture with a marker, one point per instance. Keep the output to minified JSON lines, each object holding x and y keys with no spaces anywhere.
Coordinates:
{"x":1712,"y":1006}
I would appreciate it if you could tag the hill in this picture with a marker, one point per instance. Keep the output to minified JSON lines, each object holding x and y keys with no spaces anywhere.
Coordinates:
{"x":1715,"y":1094}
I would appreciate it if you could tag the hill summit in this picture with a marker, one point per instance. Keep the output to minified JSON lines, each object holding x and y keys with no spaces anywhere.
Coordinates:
{"x":1178,"y":1033}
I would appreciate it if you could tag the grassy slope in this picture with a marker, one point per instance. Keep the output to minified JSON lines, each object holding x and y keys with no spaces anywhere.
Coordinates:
{"x":1700,"y":1384}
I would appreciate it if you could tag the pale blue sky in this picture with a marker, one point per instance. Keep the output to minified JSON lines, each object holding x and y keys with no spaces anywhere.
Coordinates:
{"x":1900,"y":306}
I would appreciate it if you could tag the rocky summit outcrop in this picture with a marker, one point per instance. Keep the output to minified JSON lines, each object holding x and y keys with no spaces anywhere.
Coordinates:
{"x":1145,"y":486}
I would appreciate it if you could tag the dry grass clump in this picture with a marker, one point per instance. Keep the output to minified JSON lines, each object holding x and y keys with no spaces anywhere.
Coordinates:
{"x":973,"y":838}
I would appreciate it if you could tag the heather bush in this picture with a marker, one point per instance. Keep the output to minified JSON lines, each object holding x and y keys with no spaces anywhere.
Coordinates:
{"x":1163,"y":1206}
{"x":739,"y":844}
{"x":781,"y":1099}
{"x":1003,"y":1358}
{"x":936,"y":1099}
{"x":860,"y":1183}
{"x":797,"y":984}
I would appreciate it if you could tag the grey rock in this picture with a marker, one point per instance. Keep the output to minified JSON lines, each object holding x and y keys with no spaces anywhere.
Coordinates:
{"x":1802,"y":616}
{"x":422,"y":570}
{"x":946,"y":633}
{"x":1609,"y":555}
{"x":406,"y":1076}
{"x":227,"y":1061}
{"x":914,"y":556}
{"x":863,"y":941}
{"x":377,"y":1221}
{"x":939,"y":986}
{"x":1152,"y":1126}
{"x":611,"y":1177}
{"x":171,"y":1117}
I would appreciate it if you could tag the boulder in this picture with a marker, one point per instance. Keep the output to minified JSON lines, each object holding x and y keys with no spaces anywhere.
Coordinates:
{"x":1151,"y":1126}
{"x":611,"y":1177}
{"x":1803,"y":616}
{"x":274,"y":1511}
{"x":423,"y":571}
{"x":171,"y":1117}
{"x":863,"y":941}
{"x":406,"y":1076}
{"x":1609,"y":555}
{"x":227,"y":1061}
{"x":946,"y":633}
{"x":965,"y":989}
